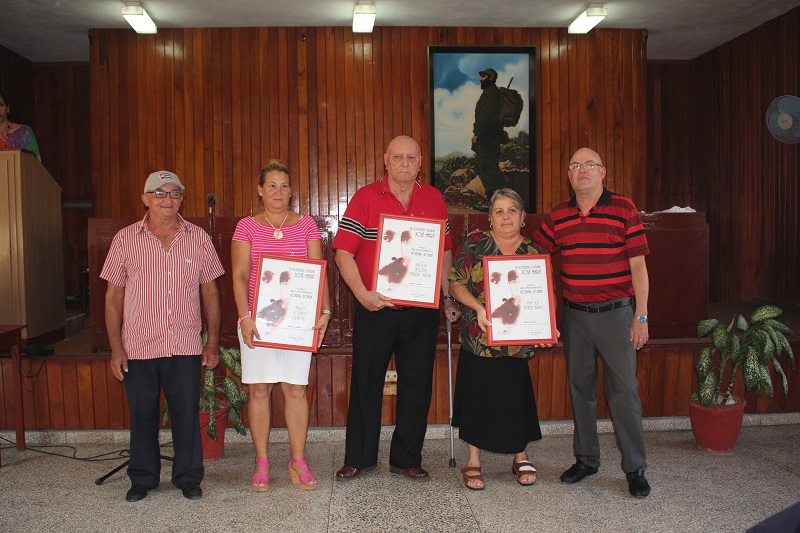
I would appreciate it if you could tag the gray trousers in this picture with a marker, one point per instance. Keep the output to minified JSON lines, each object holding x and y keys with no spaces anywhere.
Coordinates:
{"x":585,"y":336}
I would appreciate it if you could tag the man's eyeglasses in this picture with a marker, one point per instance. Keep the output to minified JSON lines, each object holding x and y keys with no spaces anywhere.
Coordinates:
{"x":589,"y":165}
{"x":175,"y":195}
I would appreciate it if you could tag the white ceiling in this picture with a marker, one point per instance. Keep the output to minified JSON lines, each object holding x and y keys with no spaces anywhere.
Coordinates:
{"x":56,"y":30}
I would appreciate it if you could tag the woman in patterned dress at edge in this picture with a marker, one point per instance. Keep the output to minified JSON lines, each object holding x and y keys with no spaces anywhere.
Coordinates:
{"x":15,"y":135}
{"x":494,"y":405}
{"x":275,"y":230}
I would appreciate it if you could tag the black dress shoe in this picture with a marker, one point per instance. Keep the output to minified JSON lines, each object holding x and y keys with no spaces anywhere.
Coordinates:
{"x":191,"y":490}
{"x":577,"y":472}
{"x":348,"y":473}
{"x":136,"y":493}
{"x":416,"y":473}
{"x":637,"y":484}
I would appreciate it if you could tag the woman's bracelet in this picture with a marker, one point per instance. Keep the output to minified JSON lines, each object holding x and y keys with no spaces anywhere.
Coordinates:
{"x":327,"y":312}
{"x":239,"y":322}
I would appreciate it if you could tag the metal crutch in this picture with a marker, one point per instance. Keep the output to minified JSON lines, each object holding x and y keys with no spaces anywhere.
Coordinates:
{"x":450,"y":388}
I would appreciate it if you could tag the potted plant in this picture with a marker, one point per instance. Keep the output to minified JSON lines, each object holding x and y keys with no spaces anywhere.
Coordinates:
{"x":222,"y":396}
{"x":739,"y":347}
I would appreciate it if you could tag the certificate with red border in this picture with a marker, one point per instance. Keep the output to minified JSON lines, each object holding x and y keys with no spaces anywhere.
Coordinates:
{"x":519,"y":299}
{"x":408,"y":260}
{"x":288,"y":301}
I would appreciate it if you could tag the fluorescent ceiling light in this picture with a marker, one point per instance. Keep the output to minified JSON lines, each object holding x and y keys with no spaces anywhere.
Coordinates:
{"x":138,"y":18}
{"x":364,"y":16}
{"x":588,"y":19}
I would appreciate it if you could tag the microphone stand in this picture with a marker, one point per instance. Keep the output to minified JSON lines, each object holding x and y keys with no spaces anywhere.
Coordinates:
{"x":212,"y":200}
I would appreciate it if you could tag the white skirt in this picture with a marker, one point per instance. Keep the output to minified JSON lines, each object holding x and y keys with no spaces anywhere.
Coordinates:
{"x":272,"y":365}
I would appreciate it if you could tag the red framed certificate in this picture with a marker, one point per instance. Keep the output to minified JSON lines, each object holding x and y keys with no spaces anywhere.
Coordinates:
{"x":408,"y":260}
{"x":519,"y":299}
{"x":287,"y":302}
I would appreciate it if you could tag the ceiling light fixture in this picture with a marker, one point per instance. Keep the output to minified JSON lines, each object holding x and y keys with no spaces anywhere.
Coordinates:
{"x":588,"y":19}
{"x":364,"y":16}
{"x":138,"y":18}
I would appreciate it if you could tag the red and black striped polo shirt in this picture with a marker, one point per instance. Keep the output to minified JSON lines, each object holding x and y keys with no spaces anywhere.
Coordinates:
{"x":596,"y":248}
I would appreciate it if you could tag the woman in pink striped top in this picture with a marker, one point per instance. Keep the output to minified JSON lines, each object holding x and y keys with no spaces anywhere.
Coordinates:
{"x":275,"y":230}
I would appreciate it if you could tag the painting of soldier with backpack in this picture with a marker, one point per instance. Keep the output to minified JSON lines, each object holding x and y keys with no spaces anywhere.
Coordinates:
{"x":482,"y":112}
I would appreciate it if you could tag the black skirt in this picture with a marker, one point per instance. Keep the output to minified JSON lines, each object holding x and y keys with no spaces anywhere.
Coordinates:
{"x":493,"y":404}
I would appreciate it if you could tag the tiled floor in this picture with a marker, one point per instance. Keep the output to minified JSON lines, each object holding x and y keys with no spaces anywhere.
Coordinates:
{"x":692,"y":490}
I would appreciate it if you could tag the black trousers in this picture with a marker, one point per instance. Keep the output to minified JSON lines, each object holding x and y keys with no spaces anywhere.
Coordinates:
{"x":411,"y":336}
{"x":179,"y":377}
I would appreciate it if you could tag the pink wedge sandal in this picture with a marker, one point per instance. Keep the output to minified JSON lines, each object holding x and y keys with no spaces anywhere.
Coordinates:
{"x":260,"y":480}
{"x":300,"y":474}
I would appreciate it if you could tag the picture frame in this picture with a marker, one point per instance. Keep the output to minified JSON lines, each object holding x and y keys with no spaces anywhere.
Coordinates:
{"x":408,"y":260}
{"x":455,"y":88}
{"x":519,"y":300}
{"x":287,"y":302}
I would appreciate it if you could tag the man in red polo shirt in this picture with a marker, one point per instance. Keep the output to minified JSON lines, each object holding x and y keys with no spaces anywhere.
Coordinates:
{"x":605,"y":285}
{"x":156,"y":270}
{"x":380,"y":328}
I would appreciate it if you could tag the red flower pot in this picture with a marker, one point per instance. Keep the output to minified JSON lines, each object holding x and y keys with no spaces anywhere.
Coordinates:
{"x":213,"y":449}
{"x":716,"y":428}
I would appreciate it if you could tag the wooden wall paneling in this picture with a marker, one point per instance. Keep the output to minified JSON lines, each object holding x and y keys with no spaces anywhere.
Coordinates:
{"x":351,"y":139}
{"x":85,"y":407}
{"x":55,"y":403}
{"x":233,"y":186}
{"x":543,"y":383}
{"x":302,"y":127}
{"x":69,"y":388}
{"x":323,"y":390}
{"x":99,"y":386}
{"x":36,"y":410}
{"x":562,"y":98}
{"x":7,"y":384}
{"x":337,"y":117}
{"x":341,"y":372}
{"x":371,"y":151}
{"x":245,"y":197}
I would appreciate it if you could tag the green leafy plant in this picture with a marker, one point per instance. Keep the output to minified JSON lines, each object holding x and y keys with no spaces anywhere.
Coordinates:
{"x":221,"y":392}
{"x":742,"y":345}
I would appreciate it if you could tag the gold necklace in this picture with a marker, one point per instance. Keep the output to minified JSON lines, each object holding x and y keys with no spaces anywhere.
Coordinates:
{"x":277,"y":234}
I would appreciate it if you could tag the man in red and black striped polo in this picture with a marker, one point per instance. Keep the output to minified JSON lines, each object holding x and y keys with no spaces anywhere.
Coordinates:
{"x":605,"y":287}
{"x":156,"y":270}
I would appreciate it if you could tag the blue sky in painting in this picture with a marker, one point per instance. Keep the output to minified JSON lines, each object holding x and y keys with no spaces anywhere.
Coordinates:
{"x":456,"y":89}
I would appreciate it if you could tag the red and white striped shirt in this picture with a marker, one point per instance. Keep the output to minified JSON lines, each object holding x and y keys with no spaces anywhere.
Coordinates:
{"x":294,"y":242}
{"x":161,"y":314}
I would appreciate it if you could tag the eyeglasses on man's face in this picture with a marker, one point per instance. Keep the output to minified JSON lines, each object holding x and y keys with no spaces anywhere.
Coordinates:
{"x":589,"y":165}
{"x":175,"y":195}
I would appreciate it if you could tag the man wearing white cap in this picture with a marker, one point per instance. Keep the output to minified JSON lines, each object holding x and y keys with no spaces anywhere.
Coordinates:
{"x":156,"y":270}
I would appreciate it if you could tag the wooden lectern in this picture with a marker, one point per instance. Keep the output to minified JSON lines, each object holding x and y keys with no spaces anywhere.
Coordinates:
{"x":31,"y":246}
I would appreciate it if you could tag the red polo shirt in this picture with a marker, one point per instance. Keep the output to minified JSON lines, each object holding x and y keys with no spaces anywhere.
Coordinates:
{"x":358,"y":229}
{"x":596,"y":248}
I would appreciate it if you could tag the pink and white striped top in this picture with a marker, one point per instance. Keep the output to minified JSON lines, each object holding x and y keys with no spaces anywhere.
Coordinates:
{"x":161,"y":314}
{"x":294,"y":242}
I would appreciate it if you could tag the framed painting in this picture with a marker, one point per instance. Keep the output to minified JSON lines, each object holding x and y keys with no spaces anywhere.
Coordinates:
{"x":288,"y":301}
{"x":408,"y":262}
{"x":473,"y":134}
{"x":519,"y":299}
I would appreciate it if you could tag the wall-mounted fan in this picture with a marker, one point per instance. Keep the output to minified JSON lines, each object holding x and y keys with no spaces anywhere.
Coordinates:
{"x":783,"y":119}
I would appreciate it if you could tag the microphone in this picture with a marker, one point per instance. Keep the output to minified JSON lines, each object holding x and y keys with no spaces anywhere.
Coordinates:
{"x":211,"y":200}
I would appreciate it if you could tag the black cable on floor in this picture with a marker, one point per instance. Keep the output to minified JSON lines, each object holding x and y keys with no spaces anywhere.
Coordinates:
{"x":115,"y":455}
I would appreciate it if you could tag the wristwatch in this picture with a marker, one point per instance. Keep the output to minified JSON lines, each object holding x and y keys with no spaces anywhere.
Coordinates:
{"x":641,"y":318}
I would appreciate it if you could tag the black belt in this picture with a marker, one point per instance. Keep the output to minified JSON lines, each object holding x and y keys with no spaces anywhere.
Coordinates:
{"x":598,"y":308}
{"x":398,"y":309}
